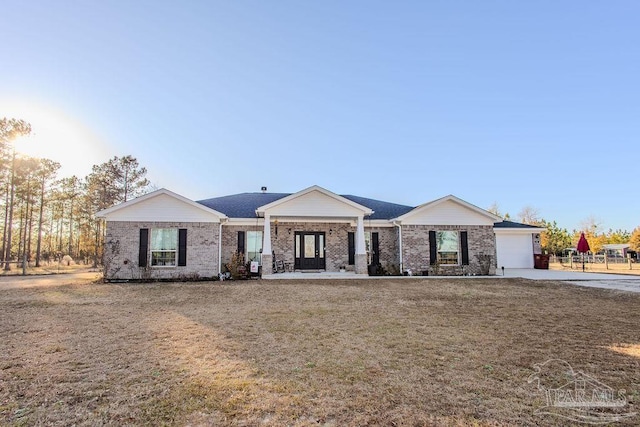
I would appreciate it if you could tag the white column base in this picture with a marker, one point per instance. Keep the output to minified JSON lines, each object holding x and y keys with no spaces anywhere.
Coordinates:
{"x":361,"y":264}
{"x":267,"y":264}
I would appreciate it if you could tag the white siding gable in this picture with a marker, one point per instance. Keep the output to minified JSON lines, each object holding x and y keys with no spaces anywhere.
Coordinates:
{"x":448,"y":212}
{"x":160,"y":208}
{"x":315,"y":204}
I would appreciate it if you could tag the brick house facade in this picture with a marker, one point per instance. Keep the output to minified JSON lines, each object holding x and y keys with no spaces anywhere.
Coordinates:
{"x":165,"y":236}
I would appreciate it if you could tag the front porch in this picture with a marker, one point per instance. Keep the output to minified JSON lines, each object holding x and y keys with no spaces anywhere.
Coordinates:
{"x":313,"y":246}
{"x":314,"y":230}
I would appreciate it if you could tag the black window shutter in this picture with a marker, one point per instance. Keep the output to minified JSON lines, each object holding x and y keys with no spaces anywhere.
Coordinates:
{"x":465,"y":248}
{"x":143,"y":248}
{"x":182,"y":247}
{"x":433,"y":248}
{"x":352,"y":248}
{"x":241,"y":242}
{"x":375,"y":247}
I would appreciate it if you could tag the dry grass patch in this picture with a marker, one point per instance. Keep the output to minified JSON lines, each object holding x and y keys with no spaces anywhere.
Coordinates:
{"x":383,"y":352}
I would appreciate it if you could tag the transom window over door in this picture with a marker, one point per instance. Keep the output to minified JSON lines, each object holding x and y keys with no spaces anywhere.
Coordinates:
{"x":164,"y":246}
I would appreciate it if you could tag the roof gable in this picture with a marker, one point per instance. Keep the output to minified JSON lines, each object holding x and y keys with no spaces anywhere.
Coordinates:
{"x":448,"y":210}
{"x":161,"y":205}
{"x":314,"y":201}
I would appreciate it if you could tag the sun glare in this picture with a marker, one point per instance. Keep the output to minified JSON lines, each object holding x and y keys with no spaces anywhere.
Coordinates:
{"x":628,"y":349}
{"x":57,"y":136}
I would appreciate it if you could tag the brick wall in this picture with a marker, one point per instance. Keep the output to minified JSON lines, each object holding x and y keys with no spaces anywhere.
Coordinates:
{"x":123,"y":244}
{"x":121,"y":250}
{"x":336,"y":244}
{"x":230,"y":239}
{"x":415,"y":249}
{"x":388,"y":247}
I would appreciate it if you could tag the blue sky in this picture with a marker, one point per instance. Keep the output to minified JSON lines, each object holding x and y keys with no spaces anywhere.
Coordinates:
{"x":518,"y":103}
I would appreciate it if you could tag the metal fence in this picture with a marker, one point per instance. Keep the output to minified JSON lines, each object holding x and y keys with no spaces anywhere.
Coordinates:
{"x":591,"y":259}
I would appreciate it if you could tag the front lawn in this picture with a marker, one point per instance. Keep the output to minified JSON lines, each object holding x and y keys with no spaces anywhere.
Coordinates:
{"x":353,"y":352}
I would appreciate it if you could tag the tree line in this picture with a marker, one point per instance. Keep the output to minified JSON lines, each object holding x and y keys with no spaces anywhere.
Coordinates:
{"x":47,"y":217}
{"x":555,"y":239}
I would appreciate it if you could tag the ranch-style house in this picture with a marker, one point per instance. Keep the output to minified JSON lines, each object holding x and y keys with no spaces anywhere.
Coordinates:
{"x":163,"y":235}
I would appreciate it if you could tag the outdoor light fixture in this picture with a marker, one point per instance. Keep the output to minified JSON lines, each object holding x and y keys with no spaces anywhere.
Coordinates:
{"x":330,"y":231}
{"x":289,"y":231}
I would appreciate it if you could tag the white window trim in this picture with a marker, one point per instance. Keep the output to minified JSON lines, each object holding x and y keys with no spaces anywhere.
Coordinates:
{"x":175,"y":251}
{"x":247,"y":249}
{"x":458,"y":249}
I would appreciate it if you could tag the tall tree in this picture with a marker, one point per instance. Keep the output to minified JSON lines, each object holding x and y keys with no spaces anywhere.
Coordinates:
{"x":26,"y":168}
{"x":127,"y":177}
{"x":71,"y":189}
{"x":97,"y":196}
{"x":554,"y":240}
{"x":47,"y":171}
{"x":10,"y":130}
{"x":118,"y":180}
{"x":494,"y":209}
{"x":529,"y":215}
{"x":618,"y":236}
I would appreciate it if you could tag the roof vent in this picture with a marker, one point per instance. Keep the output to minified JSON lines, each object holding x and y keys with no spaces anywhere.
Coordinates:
{"x":264,"y":189}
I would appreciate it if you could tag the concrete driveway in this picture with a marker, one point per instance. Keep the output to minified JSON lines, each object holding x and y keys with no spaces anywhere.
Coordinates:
{"x":621,"y":282}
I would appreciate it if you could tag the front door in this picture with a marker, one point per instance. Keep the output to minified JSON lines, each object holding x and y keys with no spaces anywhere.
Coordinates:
{"x":309,"y":250}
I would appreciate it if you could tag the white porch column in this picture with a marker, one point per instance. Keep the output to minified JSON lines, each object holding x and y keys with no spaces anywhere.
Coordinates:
{"x":267,"y":257}
{"x":361,"y":251}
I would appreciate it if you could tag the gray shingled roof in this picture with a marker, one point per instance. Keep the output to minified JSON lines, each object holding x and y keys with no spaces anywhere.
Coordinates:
{"x":244,"y":205}
{"x":511,"y":224}
{"x":381,"y":210}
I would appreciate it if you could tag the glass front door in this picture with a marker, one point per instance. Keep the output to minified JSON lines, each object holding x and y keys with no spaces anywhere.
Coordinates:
{"x":309,"y":251}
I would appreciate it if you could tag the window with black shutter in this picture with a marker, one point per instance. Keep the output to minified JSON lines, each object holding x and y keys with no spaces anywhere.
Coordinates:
{"x":375,"y":248}
{"x":352,"y":248}
{"x":182,"y":247}
{"x":241,"y":242}
{"x":143,"y":247}
{"x":433,"y":248}
{"x":464,"y":246}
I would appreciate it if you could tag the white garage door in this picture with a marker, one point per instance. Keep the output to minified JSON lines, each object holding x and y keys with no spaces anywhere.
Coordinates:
{"x":514,"y":250}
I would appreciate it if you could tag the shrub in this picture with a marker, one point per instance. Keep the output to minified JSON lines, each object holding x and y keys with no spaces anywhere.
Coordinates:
{"x":236,"y":267}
